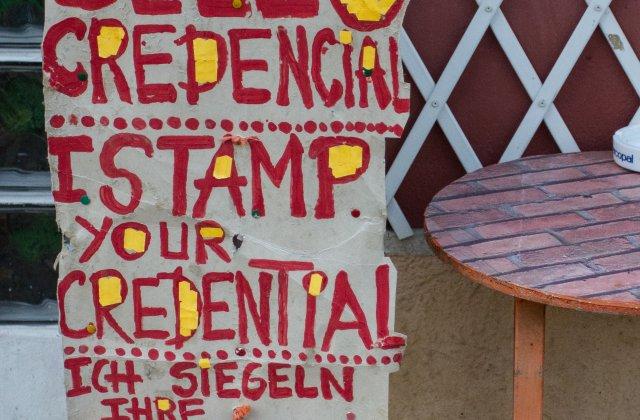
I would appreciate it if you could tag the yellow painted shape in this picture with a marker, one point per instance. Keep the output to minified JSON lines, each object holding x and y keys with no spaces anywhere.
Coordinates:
{"x":109,"y":40}
{"x":211,"y":233}
{"x":163,"y":404}
{"x":369,"y":57}
{"x":345,"y":160}
{"x":109,"y":291}
{"x":223,"y":166}
{"x":205,"y":54}
{"x":315,"y":285}
{"x":188,"y":309}
{"x":204,"y":363}
{"x":134,"y":240}
{"x":346,"y":37}
{"x":368,"y":10}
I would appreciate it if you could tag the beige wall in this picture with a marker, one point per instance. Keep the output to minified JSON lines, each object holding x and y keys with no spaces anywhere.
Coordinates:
{"x":459,"y":360}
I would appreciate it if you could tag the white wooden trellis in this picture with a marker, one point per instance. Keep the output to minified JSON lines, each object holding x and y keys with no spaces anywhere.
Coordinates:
{"x":543,"y":95}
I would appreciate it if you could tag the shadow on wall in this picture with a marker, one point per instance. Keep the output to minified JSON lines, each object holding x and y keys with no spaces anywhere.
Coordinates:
{"x":459,"y":361}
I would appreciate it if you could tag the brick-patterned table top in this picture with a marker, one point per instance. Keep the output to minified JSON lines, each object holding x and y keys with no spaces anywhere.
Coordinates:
{"x":562,"y":230}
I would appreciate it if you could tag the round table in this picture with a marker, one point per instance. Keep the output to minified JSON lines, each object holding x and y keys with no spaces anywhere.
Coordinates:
{"x":561,"y":230}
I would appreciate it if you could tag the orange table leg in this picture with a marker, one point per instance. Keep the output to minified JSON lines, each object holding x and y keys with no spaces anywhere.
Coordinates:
{"x":528,"y":360}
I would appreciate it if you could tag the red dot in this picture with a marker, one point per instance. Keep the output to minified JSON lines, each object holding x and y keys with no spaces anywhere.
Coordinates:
{"x":371,"y":127}
{"x":303,"y":357}
{"x":257,"y":126}
{"x":349,"y":126}
{"x":73,"y":119}
{"x":120,"y":352}
{"x":272,"y":126}
{"x":337,"y":126}
{"x":397,"y":358}
{"x":83,"y":349}
{"x":99,"y":350}
{"x":56,"y":121}
{"x":344,"y":359}
{"x":397,"y":130}
{"x":170,"y":356}
{"x":138,"y":123}
{"x":69,"y":350}
{"x":222,"y":355}
{"x":192,"y":124}
{"x":205,"y":355}
{"x":310,"y":127}
{"x":357,"y":359}
{"x":272,"y":354}
{"x":371,"y":360}
{"x":136,"y":352}
{"x":257,"y":353}
{"x":323,"y":127}
{"x":318,"y":358}
{"x":355,"y":213}
{"x":285,"y":127}
{"x":286,"y":354}
{"x":120,"y":123}
{"x":88,"y":121}
{"x":174,"y":122}
{"x":226,"y":125}
{"x":331,"y":358}
{"x":381,"y":128}
{"x":360,"y":127}
{"x":299,"y":128}
{"x":154,"y":354}
{"x":188,"y":356}
{"x":244,"y":126}
{"x":210,"y":124}
{"x":155,"y":123}
{"x":104,"y":121}
{"x":386,"y":360}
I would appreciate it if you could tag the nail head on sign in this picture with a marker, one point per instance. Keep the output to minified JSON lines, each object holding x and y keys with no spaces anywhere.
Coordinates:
{"x":85,"y":200}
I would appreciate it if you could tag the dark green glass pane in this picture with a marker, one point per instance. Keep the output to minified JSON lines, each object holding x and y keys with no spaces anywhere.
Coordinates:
{"x":16,"y":13}
{"x":29,"y":244}
{"x":22,"y":136}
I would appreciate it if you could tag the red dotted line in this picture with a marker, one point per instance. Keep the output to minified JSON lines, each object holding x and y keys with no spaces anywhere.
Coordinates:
{"x":170,"y":356}
{"x":193,"y":124}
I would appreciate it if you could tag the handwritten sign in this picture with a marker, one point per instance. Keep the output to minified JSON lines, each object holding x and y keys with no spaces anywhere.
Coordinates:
{"x":218,"y":171}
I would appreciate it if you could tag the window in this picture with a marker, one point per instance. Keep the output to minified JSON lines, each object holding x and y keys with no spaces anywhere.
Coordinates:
{"x":29,"y":237}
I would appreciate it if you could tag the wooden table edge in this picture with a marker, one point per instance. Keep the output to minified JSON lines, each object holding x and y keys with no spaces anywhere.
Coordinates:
{"x":551,"y":299}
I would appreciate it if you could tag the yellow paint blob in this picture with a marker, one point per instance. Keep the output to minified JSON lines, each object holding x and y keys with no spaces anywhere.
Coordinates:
{"x":211,"y":233}
{"x":368,"y":10}
{"x":223,"y":166}
{"x":346,"y":37}
{"x":345,"y":160}
{"x":163,"y":404}
{"x":369,"y":57}
{"x":91,"y":328}
{"x":188,"y":309}
{"x":134,"y":240}
{"x":109,"y":40}
{"x":315,"y":284}
{"x":204,"y":363}
{"x":205,"y":54}
{"x":109,"y":291}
